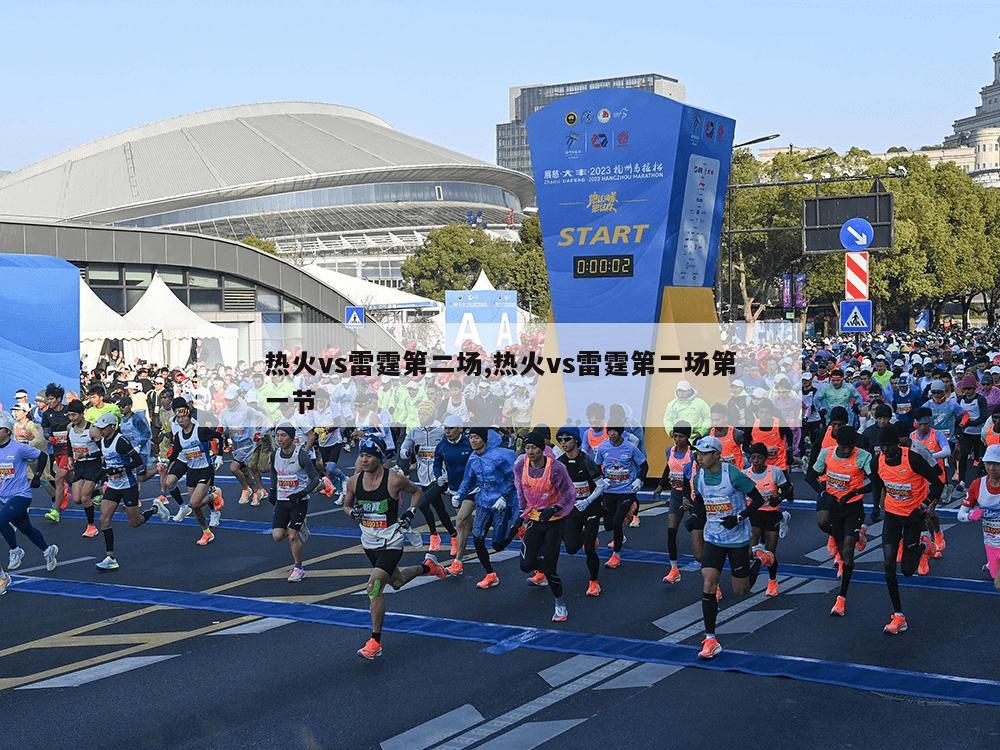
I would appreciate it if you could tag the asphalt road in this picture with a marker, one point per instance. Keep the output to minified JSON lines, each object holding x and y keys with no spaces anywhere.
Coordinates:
{"x":95,"y":660}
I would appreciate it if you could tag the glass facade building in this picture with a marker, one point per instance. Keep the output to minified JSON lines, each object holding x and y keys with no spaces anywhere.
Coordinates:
{"x":512,"y":137}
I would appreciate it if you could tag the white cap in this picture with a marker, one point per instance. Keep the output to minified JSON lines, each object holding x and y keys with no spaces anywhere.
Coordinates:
{"x":995,"y":370}
{"x":6,"y":421}
{"x":738,"y":383}
{"x":413,"y":384}
{"x":759,"y":393}
{"x":232,"y":392}
{"x":807,"y":375}
{"x":107,"y":419}
{"x":158,"y":380}
{"x":707,"y":444}
{"x":684,"y":385}
{"x":992,"y":454}
{"x":134,"y":385}
{"x":451,"y":420}
{"x":897,"y":363}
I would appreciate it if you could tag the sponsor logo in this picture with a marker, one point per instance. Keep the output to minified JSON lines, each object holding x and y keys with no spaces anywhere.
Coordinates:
{"x":622,"y":113}
{"x":719,"y":130}
{"x":696,"y":127}
{"x":571,"y":139}
{"x":574,"y":145}
{"x":603,"y":203}
{"x":571,"y":118}
{"x":622,"y":138}
{"x":599,"y":140}
{"x":624,"y":234}
{"x":588,"y":117}
{"x":603,"y":115}
{"x":710,"y":129}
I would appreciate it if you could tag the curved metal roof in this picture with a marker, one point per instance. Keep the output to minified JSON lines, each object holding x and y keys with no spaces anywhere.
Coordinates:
{"x":243,"y":150}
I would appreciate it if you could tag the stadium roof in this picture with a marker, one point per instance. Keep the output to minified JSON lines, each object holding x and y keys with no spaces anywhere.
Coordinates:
{"x":233,"y":152}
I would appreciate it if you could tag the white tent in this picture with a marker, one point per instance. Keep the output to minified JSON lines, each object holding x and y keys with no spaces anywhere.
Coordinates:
{"x":483,"y":284}
{"x":98,"y":323}
{"x":160,"y":308}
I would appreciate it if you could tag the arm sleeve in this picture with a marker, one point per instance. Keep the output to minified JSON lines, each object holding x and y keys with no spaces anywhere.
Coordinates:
{"x":919,"y":464}
{"x":309,"y":467}
{"x":518,"y":488}
{"x":563,"y":486}
{"x":126,"y":449}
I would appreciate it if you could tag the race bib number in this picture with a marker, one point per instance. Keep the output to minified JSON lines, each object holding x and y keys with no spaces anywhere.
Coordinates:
{"x":288,"y":485}
{"x":425,"y":454}
{"x":718,"y":507}
{"x":192,"y":454}
{"x":772,"y":451}
{"x":618,"y":475}
{"x":61,"y":437}
{"x":903,"y":407}
{"x":898,"y":490}
{"x":80,"y":453}
{"x":6,"y":470}
{"x":837,"y":481}
{"x":582,"y":489}
{"x":677,"y":480}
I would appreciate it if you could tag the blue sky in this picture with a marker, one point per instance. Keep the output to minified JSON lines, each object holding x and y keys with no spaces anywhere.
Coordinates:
{"x":874,"y":74}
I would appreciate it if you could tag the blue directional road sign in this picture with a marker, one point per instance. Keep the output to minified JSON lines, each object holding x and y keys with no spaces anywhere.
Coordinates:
{"x":856,"y":234}
{"x":354,"y":317}
{"x":856,"y":316}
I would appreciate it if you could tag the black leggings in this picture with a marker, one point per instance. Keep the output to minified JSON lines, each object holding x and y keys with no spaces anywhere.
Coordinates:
{"x":540,"y":551}
{"x":616,"y":507}
{"x":894,"y":529}
{"x":580,"y":530}
{"x":433,"y":500}
{"x":967,"y":444}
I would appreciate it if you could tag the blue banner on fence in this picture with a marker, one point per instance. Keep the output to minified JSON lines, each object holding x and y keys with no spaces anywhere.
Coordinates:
{"x":486,"y":318}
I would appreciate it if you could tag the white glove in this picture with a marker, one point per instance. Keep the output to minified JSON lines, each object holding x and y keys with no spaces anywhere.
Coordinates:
{"x":456,"y":502}
{"x":442,"y":480}
{"x":218,"y":462}
{"x":500,"y":505}
{"x":963,"y":513}
{"x":636,"y":485}
{"x":582,"y":503}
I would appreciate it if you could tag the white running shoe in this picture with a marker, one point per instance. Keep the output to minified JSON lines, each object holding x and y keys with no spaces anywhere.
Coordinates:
{"x":161,"y":510}
{"x":50,"y":557}
{"x":183,"y":513}
{"x":304,"y":532}
{"x":296,"y":575}
{"x":108,"y":563}
{"x":786,"y":521}
{"x":561,"y":614}
{"x":4,"y":582}
{"x":339,"y":500}
{"x":414,"y":539}
{"x":214,"y":518}
{"x":16,"y":555}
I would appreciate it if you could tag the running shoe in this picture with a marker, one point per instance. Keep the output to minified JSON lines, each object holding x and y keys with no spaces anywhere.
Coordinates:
{"x":91,"y":531}
{"x":304,"y":532}
{"x":263,"y":494}
{"x":924,"y":566}
{"x":97,"y":497}
{"x":434,"y":568}
{"x":634,"y":523}
{"x":489,"y":581}
{"x":772,"y":587}
{"x":939,"y":545}
{"x":959,"y":492}
{"x":16,"y":555}
{"x":296,"y":575}
{"x":207,"y":537}
{"x":785,"y":523}
{"x":718,"y":593}
{"x":4,"y":582}
{"x":339,"y":500}
{"x":327,"y":488}
{"x":454,"y":546}
{"x":371,"y":650}
{"x":435,"y":543}
{"x":414,"y":539}
{"x":538,"y":579}
{"x":673,"y":576}
{"x":710,"y":648}
{"x":561,"y":614}
{"x":255,"y":498}
{"x":899,"y":553}
{"x":244,"y":497}
{"x":862,"y":542}
{"x":218,"y":501}
{"x":456,"y":568}
{"x":108,"y":563}
{"x":50,"y":557}
{"x":214,"y":518}
{"x":184,"y":512}
{"x":765,"y":556}
{"x":614,"y":561}
{"x":65,"y":497}
{"x":896,"y":625}
{"x":839,"y":607}
{"x":593,"y":589}
{"x":520,"y":532}
{"x":52,"y":515}
{"x":161,"y":510}
{"x":831,"y":546}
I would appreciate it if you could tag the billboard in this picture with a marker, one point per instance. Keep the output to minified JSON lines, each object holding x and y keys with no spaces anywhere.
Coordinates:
{"x":487,"y":318}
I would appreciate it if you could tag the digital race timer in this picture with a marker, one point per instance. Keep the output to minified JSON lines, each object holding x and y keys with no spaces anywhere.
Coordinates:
{"x":603,"y":266}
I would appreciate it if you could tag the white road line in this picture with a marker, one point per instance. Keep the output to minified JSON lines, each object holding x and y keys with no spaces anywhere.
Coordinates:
{"x":92,"y":674}
{"x":257,"y":626}
{"x":570,"y":669}
{"x":324,"y":512}
{"x":752,"y":621}
{"x":530,"y":735}
{"x":62,"y":563}
{"x":437,"y":729}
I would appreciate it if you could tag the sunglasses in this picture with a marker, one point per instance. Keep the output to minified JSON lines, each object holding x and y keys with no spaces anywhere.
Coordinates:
{"x":567,"y":438}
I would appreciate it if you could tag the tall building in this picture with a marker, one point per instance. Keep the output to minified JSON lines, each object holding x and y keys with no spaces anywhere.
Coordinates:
{"x":512,"y":137}
{"x":981,"y":132}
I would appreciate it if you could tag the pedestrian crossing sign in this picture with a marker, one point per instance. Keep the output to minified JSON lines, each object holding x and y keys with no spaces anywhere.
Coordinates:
{"x":354,"y":317}
{"x":856,"y":316}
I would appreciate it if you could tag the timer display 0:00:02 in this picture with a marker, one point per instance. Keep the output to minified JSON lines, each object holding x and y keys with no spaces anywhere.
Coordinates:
{"x":602,"y":266}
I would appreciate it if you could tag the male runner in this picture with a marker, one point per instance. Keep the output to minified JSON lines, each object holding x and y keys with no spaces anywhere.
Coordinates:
{"x":774,"y":486}
{"x":293,"y":477}
{"x":940,"y":449}
{"x":451,"y":456}
{"x":372,"y":499}
{"x":84,"y":463}
{"x":581,"y":527}
{"x":625,"y":468}
{"x":55,"y":426}
{"x":240,"y":423}
{"x":420,"y":445}
{"x":191,"y":449}
{"x":677,"y":476}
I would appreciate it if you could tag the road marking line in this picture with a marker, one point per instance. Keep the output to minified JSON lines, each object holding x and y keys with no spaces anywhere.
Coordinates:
{"x":92,"y":674}
{"x":257,"y":626}
{"x":62,"y":563}
{"x":439,"y":728}
{"x":530,"y":735}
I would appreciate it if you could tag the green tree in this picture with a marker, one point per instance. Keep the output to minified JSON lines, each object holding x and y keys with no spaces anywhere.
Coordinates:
{"x":263,"y":245}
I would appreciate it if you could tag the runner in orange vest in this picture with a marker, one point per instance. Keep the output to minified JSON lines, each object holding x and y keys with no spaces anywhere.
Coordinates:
{"x":677,"y":477}
{"x":732,"y":439}
{"x":772,"y":436}
{"x":840,"y":510}
{"x":940,"y":449}
{"x":911,"y":487}
{"x":773,"y":485}
{"x":838,"y":418}
{"x":597,"y":433}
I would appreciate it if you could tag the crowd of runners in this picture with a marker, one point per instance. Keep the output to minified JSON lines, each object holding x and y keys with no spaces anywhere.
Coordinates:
{"x":908,"y":421}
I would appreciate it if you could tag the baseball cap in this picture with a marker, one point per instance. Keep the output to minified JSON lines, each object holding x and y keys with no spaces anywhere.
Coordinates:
{"x":937,"y":385}
{"x":158,"y":380}
{"x":6,"y":421}
{"x":451,"y":421}
{"x":759,"y":393}
{"x":991,"y":456}
{"x":807,"y":376}
{"x":107,"y":419}
{"x":232,"y":392}
{"x":708,"y":444}
{"x":134,"y":385}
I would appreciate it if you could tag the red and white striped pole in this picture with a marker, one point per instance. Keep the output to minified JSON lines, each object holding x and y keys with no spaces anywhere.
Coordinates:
{"x":855,"y":276}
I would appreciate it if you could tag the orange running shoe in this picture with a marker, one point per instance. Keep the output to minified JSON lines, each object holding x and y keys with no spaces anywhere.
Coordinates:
{"x":91,"y":531}
{"x":840,"y":569}
{"x":862,"y":542}
{"x":435,"y":544}
{"x":896,"y":625}
{"x":371,"y":649}
{"x":489,"y":581}
{"x":673,"y":576}
{"x":454,"y":546}
{"x":839,"y":607}
{"x":520,"y":532}
{"x":899,"y":553}
{"x":718,"y":593}
{"x":924,"y":566}
{"x":456,"y":568}
{"x":766,"y":557}
{"x":207,"y":537}
{"x":218,"y":503}
{"x":327,"y":488}
{"x":939,"y":543}
{"x":65,"y":497}
{"x":244,"y":497}
{"x":593,"y":589}
{"x":772,"y":587}
{"x":710,"y":648}
{"x":538,"y":579}
{"x":434,"y":568}
{"x":614,"y":561}
{"x":831,"y":546}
